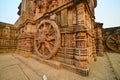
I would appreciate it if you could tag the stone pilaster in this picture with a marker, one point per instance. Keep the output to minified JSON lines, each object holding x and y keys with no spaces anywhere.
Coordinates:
{"x":99,"y":39}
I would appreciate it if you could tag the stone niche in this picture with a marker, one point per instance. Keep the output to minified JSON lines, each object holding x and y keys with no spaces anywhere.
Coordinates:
{"x":8,"y":36}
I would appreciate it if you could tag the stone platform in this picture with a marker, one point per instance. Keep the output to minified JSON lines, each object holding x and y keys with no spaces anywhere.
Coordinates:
{"x":16,"y":67}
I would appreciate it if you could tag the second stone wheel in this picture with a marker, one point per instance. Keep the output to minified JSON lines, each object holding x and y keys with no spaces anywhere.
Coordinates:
{"x":113,"y":41}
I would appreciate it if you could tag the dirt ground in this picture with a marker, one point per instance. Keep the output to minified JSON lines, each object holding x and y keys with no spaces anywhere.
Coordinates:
{"x":16,"y":67}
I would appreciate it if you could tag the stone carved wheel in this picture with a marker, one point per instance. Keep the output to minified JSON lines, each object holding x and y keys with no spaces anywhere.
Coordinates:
{"x":47,"y":39}
{"x":113,"y":41}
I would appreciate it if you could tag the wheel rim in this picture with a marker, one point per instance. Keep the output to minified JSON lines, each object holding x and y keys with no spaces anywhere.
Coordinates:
{"x":47,"y":39}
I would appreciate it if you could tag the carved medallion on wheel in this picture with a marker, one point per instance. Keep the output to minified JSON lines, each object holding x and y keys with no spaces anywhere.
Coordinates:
{"x":47,"y":39}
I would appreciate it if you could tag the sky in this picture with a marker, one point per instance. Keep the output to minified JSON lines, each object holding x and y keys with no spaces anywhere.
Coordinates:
{"x":106,"y":12}
{"x":8,"y":10}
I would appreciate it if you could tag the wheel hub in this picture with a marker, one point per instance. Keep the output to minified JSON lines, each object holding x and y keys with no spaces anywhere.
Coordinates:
{"x":42,"y":38}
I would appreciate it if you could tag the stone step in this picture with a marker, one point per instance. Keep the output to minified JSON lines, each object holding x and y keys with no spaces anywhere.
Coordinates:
{"x":52,"y":63}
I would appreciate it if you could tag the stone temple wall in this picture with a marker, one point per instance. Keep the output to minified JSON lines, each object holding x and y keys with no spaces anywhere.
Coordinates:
{"x":60,"y":30}
{"x":8,"y":41}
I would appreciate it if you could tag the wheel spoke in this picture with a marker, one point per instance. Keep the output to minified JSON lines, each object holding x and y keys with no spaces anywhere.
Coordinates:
{"x":44,"y":27}
{"x":112,"y":38}
{"x":49,"y":27}
{"x":39,"y":31}
{"x":48,"y":47}
{"x":43,"y":49}
{"x":39,"y":45}
{"x":51,"y":33}
{"x":51,"y":38}
{"x":111,"y":42}
{"x":52,"y":43}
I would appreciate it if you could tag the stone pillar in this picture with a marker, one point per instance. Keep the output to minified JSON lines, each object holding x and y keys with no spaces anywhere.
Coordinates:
{"x":99,"y":39}
{"x":94,"y":49}
{"x":81,"y":38}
